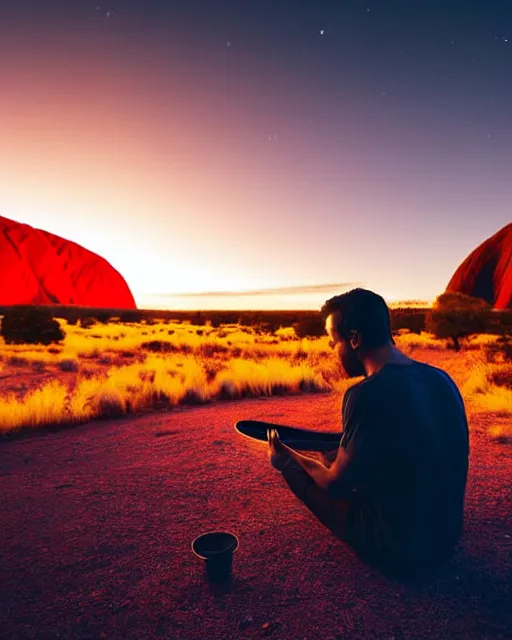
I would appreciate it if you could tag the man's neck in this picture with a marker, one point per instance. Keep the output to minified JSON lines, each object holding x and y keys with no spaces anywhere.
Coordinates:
{"x":377,"y":358}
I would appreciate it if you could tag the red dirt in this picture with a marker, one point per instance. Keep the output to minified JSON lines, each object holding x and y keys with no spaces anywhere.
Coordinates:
{"x":97,"y":523}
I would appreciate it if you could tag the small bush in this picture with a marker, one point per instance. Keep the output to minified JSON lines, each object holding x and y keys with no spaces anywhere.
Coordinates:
{"x":499,"y":351}
{"x":502,"y":376}
{"x":129,"y":317}
{"x":110,"y":404}
{"x":210,"y":349}
{"x":159,"y":346}
{"x":87,"y":323}
{"x":192,"y":397}
{"x":311,"y":328}
{"x":30,"y":326}
{"x":103,"y":317}
{"x":38,"y":366}
{"x":68,"y":366}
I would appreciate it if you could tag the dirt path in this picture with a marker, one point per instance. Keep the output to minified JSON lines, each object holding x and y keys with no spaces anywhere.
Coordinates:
{"x":97,"y":523}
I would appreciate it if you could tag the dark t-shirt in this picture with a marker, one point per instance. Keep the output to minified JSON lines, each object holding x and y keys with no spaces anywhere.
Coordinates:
{"x":405,"y":433}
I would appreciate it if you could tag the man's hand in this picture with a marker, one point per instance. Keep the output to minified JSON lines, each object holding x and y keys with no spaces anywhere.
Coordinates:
{"x":278,"y":453}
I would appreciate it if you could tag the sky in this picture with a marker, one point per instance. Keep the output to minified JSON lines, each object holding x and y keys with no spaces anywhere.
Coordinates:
{"x":287,"y":150}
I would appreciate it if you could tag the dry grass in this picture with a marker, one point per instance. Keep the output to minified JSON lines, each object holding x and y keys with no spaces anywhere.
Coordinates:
{"x":489,"y":388}
{"x":112,"y":370}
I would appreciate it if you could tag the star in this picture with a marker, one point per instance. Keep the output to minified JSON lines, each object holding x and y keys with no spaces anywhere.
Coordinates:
{"x":322,"y":32}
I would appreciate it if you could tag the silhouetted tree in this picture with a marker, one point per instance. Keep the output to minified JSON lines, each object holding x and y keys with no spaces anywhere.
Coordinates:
{"x":310,"y":328}
{"x":30,"y":326}
{"x":456,"y":316}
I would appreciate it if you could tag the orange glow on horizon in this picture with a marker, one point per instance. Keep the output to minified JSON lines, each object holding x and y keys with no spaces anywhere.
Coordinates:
{"x":171,"y":190}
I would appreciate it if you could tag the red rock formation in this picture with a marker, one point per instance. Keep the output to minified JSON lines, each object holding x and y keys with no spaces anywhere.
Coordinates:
{"x":487,"y":272}
{"x":37,"y":267}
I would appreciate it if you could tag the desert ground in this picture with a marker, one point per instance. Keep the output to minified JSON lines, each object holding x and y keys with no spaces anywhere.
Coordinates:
{"x":98,"y":519}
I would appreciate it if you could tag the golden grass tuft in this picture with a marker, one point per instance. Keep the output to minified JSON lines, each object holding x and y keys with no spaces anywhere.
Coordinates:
{"x":489,"y":387}
{"x":43,"y":406}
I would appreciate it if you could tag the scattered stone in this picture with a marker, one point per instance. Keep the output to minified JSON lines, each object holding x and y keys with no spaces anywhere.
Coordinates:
{"x":269,"y":627}
{"x":245,"y":623}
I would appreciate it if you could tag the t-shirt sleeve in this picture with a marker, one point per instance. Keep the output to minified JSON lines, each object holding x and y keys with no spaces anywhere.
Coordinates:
{"x":362,"y":439}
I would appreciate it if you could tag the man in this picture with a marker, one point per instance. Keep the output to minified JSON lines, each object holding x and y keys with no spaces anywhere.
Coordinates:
{"x":395,"y":491}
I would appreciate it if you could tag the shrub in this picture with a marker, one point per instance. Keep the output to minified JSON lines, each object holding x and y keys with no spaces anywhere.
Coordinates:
{"x":68,"y":365}
{"x":211,"y":349}
{"x":30,"y":326}
{"x":87,"y":323}
{"x":103,"y":317}
{"x":310,"y":328}
{"x":159,"y":346}
{"x":411,"y":319}
{"x":499,"y":351}
{"x":198,"y":319}
{"x":456,"y":316}
{"x":130,"y":317}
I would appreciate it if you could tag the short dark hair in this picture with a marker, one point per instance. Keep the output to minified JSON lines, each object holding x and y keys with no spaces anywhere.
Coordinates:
{"x":364,"y":311}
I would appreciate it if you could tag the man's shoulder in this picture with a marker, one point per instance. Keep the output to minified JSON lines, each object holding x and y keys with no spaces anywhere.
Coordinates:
{"x":380,"y":382}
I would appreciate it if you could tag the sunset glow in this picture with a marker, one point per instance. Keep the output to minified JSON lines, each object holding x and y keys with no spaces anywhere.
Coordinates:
{"x":222,"y":157}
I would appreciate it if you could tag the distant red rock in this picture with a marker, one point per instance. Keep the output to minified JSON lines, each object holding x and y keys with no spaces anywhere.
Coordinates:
{"x":487,"y":272}
{"x":37,"y":267}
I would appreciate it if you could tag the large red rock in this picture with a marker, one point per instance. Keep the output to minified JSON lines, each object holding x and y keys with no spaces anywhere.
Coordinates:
{"x":487,"y":272}
{"x":37,"y":267}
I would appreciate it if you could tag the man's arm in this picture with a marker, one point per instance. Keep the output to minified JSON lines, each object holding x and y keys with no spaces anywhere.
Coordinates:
{"x":321,"y":474}
{"x":361,"y":442}
{"x":327,"y":478}
{"x":336,"y":479}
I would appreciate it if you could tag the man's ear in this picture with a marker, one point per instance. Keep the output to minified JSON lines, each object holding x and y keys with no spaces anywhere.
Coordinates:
{"x":355,"y":339}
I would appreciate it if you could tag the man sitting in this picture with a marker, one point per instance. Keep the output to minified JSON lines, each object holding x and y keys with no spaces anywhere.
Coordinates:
{"x":395,"y":491}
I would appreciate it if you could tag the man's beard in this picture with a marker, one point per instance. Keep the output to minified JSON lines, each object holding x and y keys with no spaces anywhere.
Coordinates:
{"x":353,"y":366}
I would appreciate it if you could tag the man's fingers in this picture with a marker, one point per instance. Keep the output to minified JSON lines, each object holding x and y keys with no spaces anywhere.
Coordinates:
{"x":272,"y":436}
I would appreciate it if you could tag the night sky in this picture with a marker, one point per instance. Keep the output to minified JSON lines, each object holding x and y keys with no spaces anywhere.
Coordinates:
{"x":226,"y":146}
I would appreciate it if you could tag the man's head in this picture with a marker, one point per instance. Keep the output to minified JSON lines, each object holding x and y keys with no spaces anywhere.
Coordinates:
{"x":357,"y":323}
